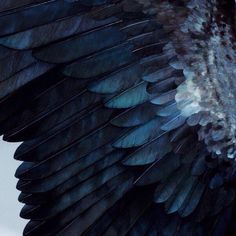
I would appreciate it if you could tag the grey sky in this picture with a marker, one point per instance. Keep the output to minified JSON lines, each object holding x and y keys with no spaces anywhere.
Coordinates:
{"x":10,"y":222}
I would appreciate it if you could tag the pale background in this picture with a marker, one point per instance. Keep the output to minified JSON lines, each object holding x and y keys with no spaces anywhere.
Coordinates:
{"x":10,"y":222}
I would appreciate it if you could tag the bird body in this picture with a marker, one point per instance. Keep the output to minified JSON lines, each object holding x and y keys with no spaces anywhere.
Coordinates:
{"x":126,"y":110}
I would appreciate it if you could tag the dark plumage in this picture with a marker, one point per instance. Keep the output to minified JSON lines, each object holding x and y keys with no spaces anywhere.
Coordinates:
{"x":126,"y":110}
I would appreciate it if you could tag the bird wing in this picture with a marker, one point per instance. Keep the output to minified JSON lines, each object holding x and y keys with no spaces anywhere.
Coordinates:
{"x":90,"y":88}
